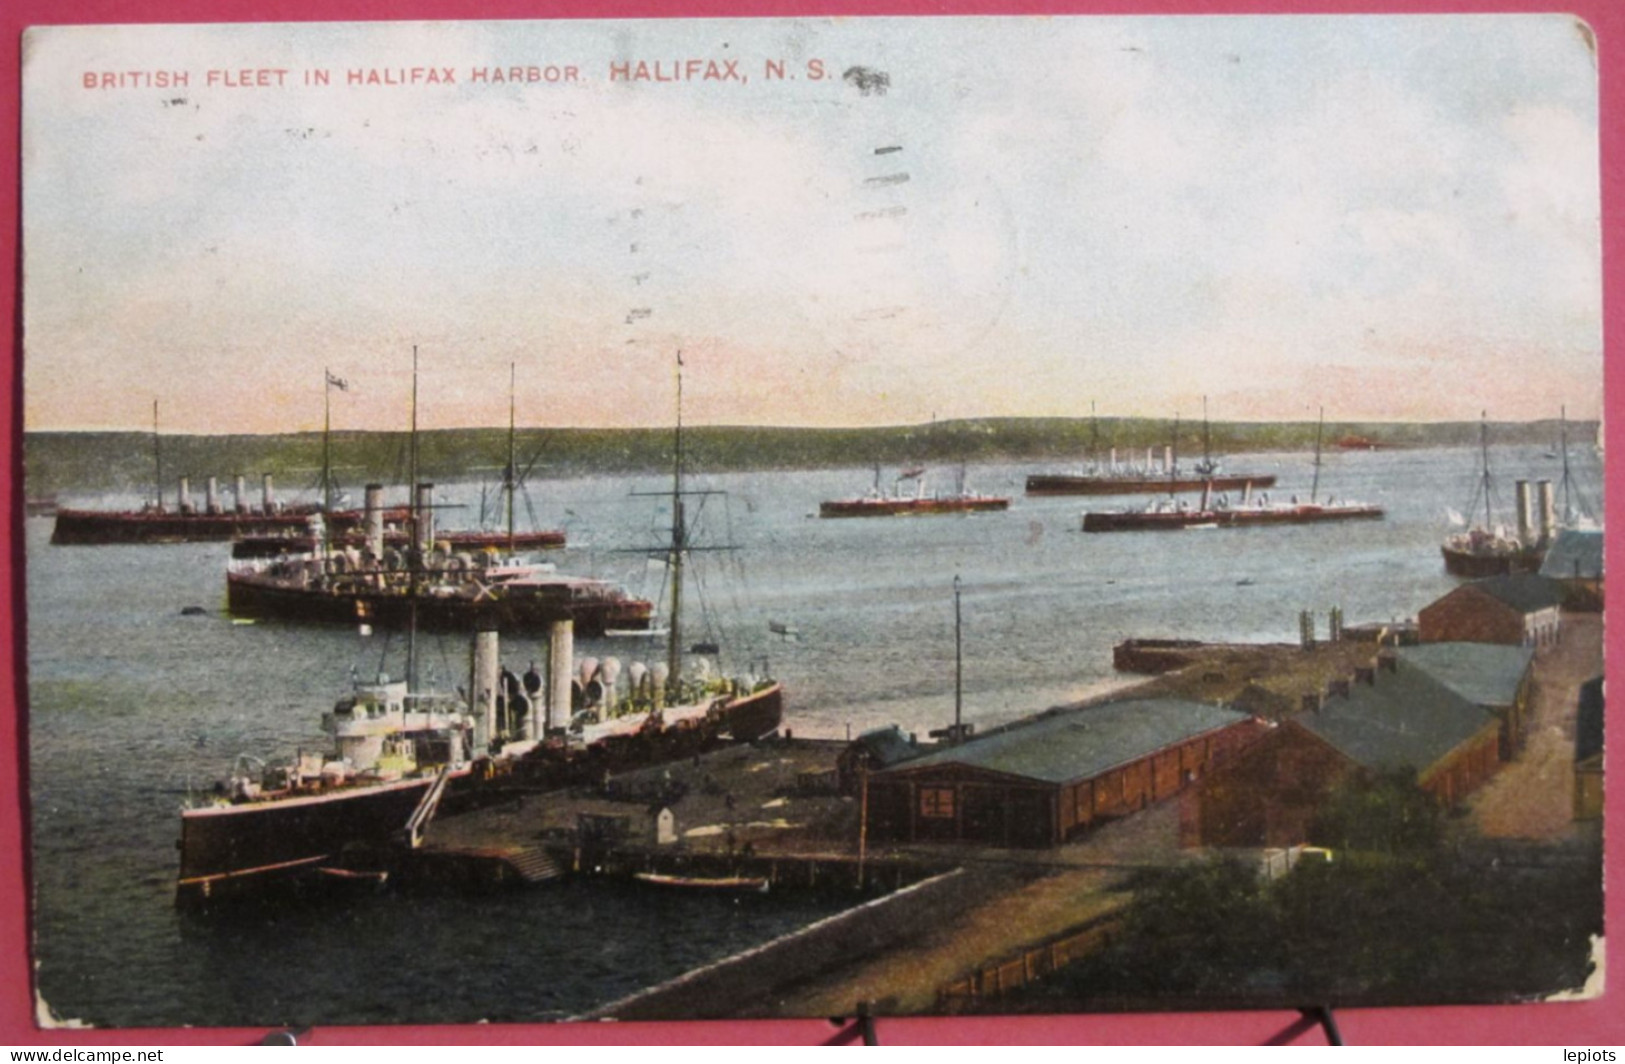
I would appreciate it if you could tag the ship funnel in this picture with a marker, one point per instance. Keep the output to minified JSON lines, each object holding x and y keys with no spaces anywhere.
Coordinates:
{"x":1114,"y":459}
{"x":1168,"y":459}
{"x":560,"y":650}
{"x":184,"y":503}
{"x":238,"y":501}
{"x":1548,"y":513}
{"x":211,"y":495}
{"x":375,"y":519}
{"x":267,"y":495}
{"x":424,"y":512}
{"x":1526,"y":514}
{"x":482,"y":689}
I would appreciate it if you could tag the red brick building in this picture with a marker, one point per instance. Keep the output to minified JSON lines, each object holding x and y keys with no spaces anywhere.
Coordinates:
{"x":1518,"y":610}
{"x":1399,"y":718}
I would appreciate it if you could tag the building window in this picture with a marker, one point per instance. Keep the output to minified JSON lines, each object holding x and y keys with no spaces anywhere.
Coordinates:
{"x":937,"y":802}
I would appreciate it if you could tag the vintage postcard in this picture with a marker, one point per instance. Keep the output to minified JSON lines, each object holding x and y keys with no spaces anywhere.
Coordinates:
{"x":541,"y":521}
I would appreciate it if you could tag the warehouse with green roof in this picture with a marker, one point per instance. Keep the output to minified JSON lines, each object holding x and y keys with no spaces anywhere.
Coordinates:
{"x":1042,"y":782}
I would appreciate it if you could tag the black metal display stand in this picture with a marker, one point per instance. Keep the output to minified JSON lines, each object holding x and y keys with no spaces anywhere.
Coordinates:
{"x":861,"y":1028}
{"x":288,"y":1036}
{"x":1310,"y":1016}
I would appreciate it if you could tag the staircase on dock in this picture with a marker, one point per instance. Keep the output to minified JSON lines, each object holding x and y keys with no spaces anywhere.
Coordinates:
{"x":534,"y":864}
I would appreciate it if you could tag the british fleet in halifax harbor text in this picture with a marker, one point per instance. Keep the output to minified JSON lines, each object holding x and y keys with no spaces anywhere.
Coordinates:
{"x":651,"y":71}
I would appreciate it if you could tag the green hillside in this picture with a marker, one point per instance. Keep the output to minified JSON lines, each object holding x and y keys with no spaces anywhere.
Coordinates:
{"x":123,"y":461}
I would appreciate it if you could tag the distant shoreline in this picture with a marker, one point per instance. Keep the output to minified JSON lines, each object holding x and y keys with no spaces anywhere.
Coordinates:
{"x":114,"y":461}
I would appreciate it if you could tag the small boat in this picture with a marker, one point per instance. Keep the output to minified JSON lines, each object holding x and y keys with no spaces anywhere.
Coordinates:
{"x":350,"y":875}
{"x":636,"y":633}
{"x":733,"y":884}
{"x":337,"y":880}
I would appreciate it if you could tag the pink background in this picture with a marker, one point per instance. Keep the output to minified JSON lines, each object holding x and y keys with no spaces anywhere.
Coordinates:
{"x":1601,"y":1021}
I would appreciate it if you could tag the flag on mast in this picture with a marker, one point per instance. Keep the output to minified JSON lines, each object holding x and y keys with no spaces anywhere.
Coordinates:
{"x":337,"y":382}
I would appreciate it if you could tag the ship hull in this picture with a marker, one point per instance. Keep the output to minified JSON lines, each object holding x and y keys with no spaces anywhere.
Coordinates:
{"x":248,"y":849}
{"x":1148,"y":522}
{"x":271,"y":546}
{"x":108,"y":527}
{"x":1474,"y":565}
{"x":1085,"y":484}
{"x":101,"y":528}
{"x":1301,"y":515}
{"x":506,"y":610}
{"x":752,"y":716}
{"x":910,"y":507}
{"x":1133,"y":521}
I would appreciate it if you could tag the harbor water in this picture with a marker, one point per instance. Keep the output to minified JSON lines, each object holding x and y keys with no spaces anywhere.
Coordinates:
{"x":132,"y":704}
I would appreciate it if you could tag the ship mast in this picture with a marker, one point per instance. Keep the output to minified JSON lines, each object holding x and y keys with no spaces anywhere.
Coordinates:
{"x":414,"y":549}
{"x":1563,"y":442}
{"x":679,"y":545}
{"x":1094,"y":437}
{"x":157,"y":459}
{"x":327,"y":442}
{"x":959,"y":670}
{"x":1207,"y":450}
{"x":1314,"y":484}
{"x":1173,"y":456}
{"x":1484,"y":452}
{"x":508,"y":473}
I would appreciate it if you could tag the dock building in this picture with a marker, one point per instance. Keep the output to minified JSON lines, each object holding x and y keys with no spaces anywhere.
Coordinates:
{"x":1496,"y":678}
{"x":1042,"y":782}
{"x":1518,"y":610}
{"x":1575,"y":561}
{"x":873,"y":751}
{"x":1401,"y":717}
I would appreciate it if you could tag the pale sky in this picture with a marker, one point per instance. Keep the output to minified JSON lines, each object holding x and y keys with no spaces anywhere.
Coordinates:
{"x":1392,"y":217}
